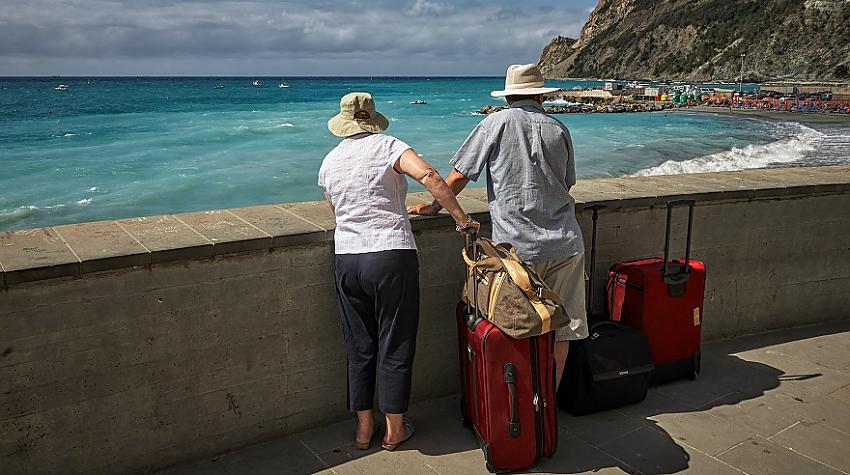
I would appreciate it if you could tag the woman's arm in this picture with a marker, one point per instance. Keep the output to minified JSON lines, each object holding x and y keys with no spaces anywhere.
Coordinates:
{"x":456,"y":181}
{"x":411,"y":165}
{"x":330,"y":203}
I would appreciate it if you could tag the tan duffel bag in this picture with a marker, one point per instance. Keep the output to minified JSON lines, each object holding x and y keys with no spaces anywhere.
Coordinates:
{"x":509,"y":293}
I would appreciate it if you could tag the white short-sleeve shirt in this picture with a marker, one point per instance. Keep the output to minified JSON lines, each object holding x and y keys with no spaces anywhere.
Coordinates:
{"x":367,"y":194}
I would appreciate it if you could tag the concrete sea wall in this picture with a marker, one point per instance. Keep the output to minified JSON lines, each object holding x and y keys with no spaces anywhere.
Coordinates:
{"x":131,"y":345}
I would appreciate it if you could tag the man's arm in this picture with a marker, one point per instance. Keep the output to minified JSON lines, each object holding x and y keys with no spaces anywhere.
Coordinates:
{"x":456,"y":180}
{"x":571,"y":163}
{"x":472,"y":157}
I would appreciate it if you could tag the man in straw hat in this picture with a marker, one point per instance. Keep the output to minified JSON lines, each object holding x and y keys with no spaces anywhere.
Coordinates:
{"x":530,"y":169}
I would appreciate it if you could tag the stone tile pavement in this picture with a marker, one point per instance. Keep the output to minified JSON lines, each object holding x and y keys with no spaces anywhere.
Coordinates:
{"x":774,"y":403}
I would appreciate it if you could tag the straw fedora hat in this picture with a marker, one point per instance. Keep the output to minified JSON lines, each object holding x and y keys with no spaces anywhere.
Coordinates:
{"x":357,"y":114}
{"x":524,"y":80}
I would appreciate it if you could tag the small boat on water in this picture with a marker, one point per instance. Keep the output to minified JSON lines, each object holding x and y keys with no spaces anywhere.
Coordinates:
{"x":220,"y":86}
{"x":62,"y":87}
{"x":257,"y":83}
{"x":283,"y":84}
{"x":418,"y":102}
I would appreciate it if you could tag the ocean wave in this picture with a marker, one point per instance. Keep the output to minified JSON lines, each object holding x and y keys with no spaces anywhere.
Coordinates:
{"x":15,"y":214}
{"x":256,"y":130}
{"x":12,"y":215}
{"x":71,"y":134}
{"x":85,"y":202}
{"x":786,"y":150}
{"x":92,"y":189}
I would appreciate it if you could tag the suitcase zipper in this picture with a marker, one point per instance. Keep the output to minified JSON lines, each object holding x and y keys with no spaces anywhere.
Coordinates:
{"x":535,"y":387}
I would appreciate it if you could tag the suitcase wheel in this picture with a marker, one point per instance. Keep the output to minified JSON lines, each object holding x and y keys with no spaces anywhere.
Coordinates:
{"x":464,"y":417}
{"x":696,"y":367}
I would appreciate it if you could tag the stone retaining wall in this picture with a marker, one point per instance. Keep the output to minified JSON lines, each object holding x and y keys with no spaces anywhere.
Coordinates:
{"x":131,"y":345}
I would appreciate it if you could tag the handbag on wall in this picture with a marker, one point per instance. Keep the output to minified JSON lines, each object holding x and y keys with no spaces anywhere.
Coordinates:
{"x":510,"y":293}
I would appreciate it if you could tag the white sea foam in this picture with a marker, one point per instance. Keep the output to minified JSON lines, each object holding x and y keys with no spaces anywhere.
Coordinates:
{"x":20,"y":212}
{"x":285,"y":124}
{"x":85,"y":202}
{"x":560,"y":102}
{"x":92,"y":189}
{"x":786,"y":150}
{"x":69,"y":135}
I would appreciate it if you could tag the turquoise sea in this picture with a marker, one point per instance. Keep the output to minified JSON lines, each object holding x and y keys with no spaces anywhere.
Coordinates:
{"x":121,"y":147}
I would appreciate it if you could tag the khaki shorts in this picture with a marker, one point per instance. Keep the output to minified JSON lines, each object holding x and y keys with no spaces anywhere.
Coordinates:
{"x":566,"y":277}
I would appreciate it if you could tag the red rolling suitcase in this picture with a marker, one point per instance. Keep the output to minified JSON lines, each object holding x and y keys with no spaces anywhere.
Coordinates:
{"x":508,"y":392}
{"x":663,"y":299}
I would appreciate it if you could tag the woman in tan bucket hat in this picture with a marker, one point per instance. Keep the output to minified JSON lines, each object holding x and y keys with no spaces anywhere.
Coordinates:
{"x":377,"y":269}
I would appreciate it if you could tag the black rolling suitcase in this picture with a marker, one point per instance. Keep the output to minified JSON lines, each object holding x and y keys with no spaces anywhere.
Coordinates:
{"x":610,"y":368}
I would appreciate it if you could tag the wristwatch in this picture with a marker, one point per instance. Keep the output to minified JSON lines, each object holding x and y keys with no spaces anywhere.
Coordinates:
{"x":461,"y":226}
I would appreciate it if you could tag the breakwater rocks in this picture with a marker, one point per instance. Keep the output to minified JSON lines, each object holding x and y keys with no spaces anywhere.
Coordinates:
{"x":588,"y":108}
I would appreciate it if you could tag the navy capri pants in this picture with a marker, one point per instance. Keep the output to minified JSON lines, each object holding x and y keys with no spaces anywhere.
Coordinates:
{"x":379,"y":305}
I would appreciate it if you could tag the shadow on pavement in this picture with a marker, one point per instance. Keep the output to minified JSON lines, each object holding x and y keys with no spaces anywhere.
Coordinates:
{"x":630,"y":438}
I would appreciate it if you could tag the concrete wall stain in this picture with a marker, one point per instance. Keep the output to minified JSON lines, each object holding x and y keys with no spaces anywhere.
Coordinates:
{"x":232,"y":405}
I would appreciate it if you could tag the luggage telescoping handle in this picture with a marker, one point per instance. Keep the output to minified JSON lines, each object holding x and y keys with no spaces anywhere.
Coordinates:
{"x":594,"y":218}
{"x":472,"y":317}
{"x":676,"y":281}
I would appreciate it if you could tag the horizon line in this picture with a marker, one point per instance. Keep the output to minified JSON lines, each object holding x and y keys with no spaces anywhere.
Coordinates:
{"x":248,"y":76}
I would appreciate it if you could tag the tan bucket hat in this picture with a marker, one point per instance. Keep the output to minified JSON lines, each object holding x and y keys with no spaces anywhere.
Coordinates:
{"x":357,"y":114}
{"x":524,"y":80}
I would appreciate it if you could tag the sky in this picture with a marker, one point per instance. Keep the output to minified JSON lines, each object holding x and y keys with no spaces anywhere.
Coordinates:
{"x":279,"y":38}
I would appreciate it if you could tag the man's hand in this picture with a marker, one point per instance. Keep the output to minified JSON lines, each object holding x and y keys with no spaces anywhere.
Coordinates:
{"x":423,"y":210}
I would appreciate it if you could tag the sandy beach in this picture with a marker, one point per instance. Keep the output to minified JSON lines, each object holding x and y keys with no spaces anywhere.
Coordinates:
{"x":800,"y":117}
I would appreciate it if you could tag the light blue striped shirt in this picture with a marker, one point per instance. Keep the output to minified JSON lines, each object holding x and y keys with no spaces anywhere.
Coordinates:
{"x":530,"y":170}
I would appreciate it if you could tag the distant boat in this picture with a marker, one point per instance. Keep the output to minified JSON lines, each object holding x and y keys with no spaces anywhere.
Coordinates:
{"x":62,"y":87}
{"x":257,"y":83}
{"x":220,"y":86}
{"x":283,"y":84}
{"x":418,"y":102}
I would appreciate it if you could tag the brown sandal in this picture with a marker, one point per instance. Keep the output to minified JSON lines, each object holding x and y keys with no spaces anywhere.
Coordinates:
{"x":365,"y":445}
{"x":408,"y":426}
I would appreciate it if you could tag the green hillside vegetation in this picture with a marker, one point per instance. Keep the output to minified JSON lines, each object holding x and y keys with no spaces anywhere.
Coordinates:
{"x":704,"y":39}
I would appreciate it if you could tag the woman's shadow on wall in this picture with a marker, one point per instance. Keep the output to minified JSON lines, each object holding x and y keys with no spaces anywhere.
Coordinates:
{"x":628,"y":438}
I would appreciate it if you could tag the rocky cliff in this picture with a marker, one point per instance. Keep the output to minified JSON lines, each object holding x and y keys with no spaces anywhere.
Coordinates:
{"x":703,"y":40}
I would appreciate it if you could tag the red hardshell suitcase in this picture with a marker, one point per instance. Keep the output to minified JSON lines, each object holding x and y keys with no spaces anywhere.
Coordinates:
{"x":508,"y":392}
{"x":663,"y":299}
